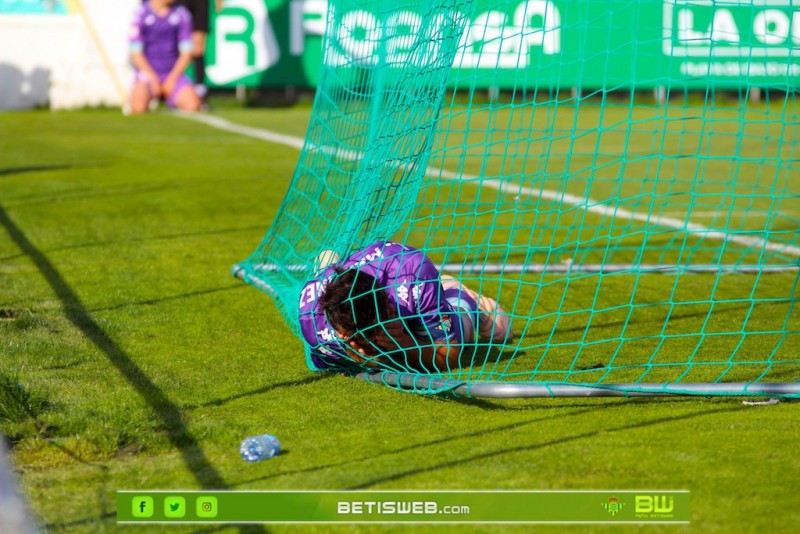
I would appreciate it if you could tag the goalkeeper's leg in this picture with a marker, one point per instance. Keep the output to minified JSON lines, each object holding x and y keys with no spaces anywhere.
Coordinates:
{"x":494,"y":323}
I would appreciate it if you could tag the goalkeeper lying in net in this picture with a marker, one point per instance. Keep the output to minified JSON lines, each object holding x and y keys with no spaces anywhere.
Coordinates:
{"x":388,"y":306}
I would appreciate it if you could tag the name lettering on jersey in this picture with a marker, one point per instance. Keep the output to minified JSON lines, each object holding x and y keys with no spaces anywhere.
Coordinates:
{"x":326,"y":335}
{"x":377,"y":253}
{"x":309,"y":294}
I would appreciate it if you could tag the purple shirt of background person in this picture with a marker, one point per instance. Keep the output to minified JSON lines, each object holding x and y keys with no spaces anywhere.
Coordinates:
{"x":161,"y":38}
{"x":414,"y":288}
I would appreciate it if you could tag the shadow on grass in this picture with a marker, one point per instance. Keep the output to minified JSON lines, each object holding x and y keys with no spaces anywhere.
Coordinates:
{"x":510,"y":450}
{"x":484,"y":354}
{"x":583,"y":409}
{"x":104,"y":515}
{"x":165,"y":237}
{"x":180,"y":296}
{"x":651,"y":320}
{"x":781,"y":375}
{"x":64,"y":366}
{"x":8,"y":171}
{"x":168,"y":413}
{"x":88,"y":192}
{"x":106,"y":519}
{"x":288,"y":384}
{"x":422,"y":446}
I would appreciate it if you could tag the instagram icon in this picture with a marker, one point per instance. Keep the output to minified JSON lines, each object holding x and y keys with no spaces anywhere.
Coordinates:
{"x":206,"y":507}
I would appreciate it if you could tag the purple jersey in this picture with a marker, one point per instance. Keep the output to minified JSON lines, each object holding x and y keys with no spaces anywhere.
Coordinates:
{"x":413,"y":285}
{"x":161,"y":38}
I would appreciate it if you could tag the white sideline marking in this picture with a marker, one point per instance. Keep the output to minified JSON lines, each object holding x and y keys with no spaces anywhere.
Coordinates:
{"x":264,"y":135}
{"x":585,"y":203}
{"x":725,"y":213}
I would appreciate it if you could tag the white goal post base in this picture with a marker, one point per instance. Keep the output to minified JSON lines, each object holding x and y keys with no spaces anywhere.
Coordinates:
{"x":561,"y":268}
{"x":506,"y":390}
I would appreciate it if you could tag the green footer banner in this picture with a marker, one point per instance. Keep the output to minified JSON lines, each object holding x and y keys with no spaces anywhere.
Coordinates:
{"x":601,"y":506}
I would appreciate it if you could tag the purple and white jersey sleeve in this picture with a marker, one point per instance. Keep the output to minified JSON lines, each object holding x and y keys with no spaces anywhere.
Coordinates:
{"x":324,"y":348}
{"x":185,"y":29}
{"x":135,"y":33}
{"x":412,"y":283}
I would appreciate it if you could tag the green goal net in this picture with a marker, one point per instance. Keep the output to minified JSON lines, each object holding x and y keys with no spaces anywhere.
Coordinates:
{"x":623,"y":177}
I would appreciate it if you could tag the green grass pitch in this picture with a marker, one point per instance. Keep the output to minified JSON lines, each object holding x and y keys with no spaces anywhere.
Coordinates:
{"x":143,"y":363}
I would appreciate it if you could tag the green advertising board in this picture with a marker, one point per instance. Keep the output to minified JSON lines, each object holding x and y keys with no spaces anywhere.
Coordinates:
{"x":262,"y":43}
{"x":533,"y":43}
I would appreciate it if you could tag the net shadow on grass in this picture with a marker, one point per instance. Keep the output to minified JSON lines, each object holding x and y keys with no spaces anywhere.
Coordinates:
{"x":785,"y":375}
{"x":8,"y":171}
{"x":168,"y":413}
{"x":560,"y":441}
{"x":485,"y":354}
{"x":636,"y":322}
{"x":179,"y":296}
{"x":110,"y":242}
{"x":164,"y":237}
{"x":88,"y":192}
{"x":476,"y":402}
{"x":63,"y":367}
{"x":266,"y":389}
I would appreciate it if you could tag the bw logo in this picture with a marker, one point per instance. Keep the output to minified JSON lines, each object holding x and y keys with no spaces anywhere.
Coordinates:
{"x":658,"y":504}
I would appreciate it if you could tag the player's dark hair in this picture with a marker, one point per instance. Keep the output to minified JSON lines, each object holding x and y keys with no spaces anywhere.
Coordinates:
{"x":354,"y":302}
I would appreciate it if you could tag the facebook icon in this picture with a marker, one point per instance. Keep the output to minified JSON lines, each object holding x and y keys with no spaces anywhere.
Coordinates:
{"x":142,"y":507}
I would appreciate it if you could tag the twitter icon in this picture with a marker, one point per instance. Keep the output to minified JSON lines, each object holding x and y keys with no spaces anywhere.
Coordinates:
{"x":174,"y":507}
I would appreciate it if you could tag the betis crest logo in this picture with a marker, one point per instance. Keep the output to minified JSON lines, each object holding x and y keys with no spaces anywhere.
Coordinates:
{"x":613,"y":506}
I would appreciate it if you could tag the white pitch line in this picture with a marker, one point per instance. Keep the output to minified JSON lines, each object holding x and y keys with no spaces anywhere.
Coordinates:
{"x":718,"y":213}
{"x":264,"y":135}
{"x":585,"y":203}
